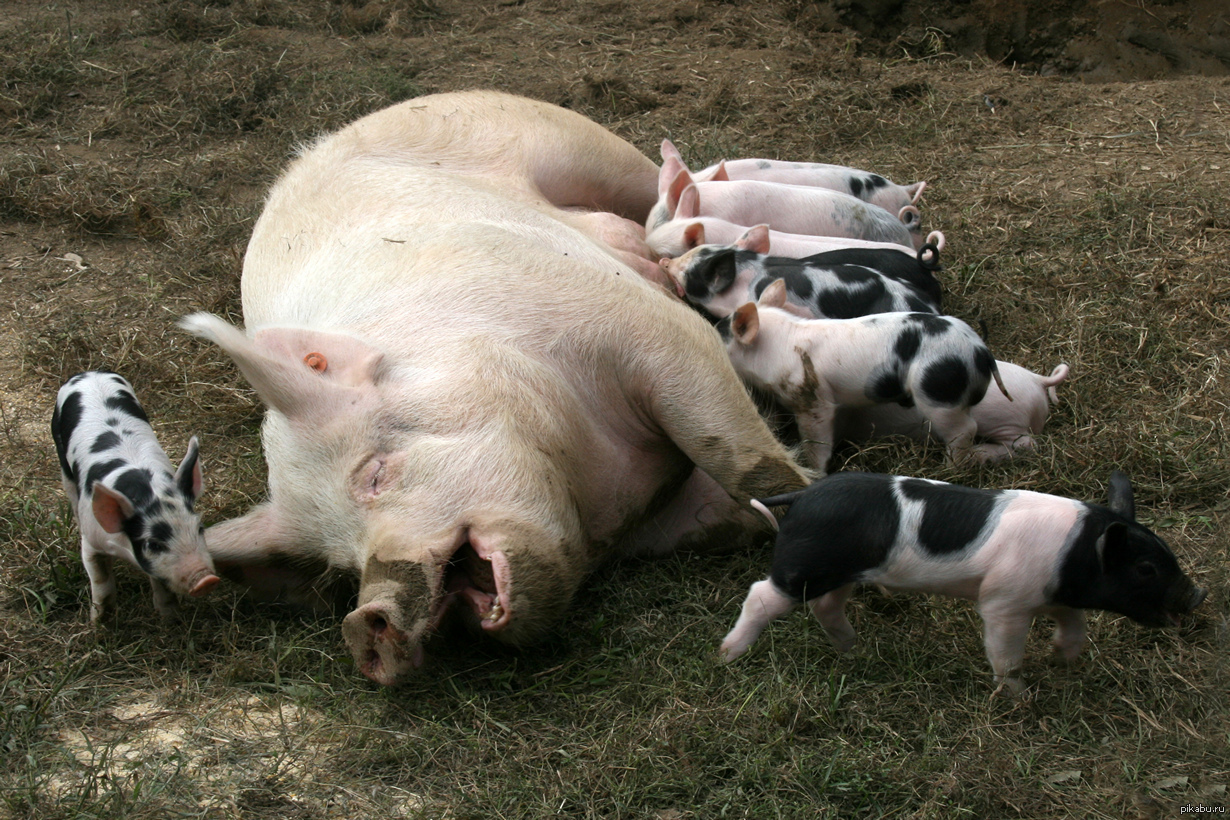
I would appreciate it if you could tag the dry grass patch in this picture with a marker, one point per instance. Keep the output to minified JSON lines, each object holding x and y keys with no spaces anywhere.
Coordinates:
{"x":1085,"y":224}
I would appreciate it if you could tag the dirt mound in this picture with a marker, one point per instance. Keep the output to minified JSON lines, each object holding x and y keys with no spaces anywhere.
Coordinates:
{"x":1097,"y":41}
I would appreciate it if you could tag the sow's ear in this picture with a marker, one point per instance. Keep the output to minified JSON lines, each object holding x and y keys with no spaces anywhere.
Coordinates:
{"x":260,"y":551}
{"x":297,"y":372}
{"x":1121,"y":495}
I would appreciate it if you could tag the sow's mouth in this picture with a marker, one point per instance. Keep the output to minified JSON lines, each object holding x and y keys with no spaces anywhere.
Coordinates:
{"x":387,"y":646}
{"x":480,"y":579}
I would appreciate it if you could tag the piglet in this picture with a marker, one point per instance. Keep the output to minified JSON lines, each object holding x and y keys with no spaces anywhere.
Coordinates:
{"x":1018,"y":554}
{"x":899,"y":200}
{"x":838,"y":284}
{"x":817,"y":367}
{"x":789,"y":208}
{"x":678,"y":236}
{"x":128,"y":500}
{"x":1003,"y":426}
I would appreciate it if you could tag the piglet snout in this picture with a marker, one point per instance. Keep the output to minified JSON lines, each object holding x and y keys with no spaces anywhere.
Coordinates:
{"x":204,"y":585}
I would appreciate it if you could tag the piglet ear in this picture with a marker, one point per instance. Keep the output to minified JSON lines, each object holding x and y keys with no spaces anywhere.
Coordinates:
{"x":694,"y":235}
{"x":718,"y":271}
{"x":689,"y":203}
{"x":1112,"y":546}
{"x":674,"y":190}
{"x":188,"y":477}
{"x":754,"y":239}
{"x":745,"y":323}
{"x":774,"y":295}
{"x":721,"y":174}
{"x":111,"y":508}
{"x":1121,"y":500}
{"x":669,"y":150}
{"x":671,"y":167}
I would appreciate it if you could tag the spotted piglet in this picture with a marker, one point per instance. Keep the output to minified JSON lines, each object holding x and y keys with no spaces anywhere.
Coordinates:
{"x":818,"y":367}
{"x":838,"y":284}
{"x":1018,"y":554}
{"x":128,"y":500}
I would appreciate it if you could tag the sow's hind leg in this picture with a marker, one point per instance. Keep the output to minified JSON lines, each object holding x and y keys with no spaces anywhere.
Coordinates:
{"x":552,"y":154}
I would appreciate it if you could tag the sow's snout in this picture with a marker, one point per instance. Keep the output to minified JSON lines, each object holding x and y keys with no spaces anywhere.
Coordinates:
{"x":385,"y":647}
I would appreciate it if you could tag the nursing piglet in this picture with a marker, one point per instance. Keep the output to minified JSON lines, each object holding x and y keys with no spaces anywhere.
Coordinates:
{"x":817,"y":367}
{"x":838,"y":284}
{"x":899,"y":200}
{"x":678,"y":236}
{"x":790,"y":208}
{"x":130,"y":503}
{"x":1018,"y":554}
{"x":1003,"y":426}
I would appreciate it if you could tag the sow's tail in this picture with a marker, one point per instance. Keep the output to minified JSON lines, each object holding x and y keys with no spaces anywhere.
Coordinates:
{"x":762,"y":505}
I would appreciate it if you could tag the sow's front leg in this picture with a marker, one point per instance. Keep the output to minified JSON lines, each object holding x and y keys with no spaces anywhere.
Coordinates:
{"x":700,"y":403}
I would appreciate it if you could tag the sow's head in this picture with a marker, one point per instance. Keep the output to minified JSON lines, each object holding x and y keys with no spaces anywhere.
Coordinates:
{"x":374,"y":472}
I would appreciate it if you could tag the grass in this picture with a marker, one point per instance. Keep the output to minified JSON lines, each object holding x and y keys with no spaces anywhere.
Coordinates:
{"x":144,"y":143}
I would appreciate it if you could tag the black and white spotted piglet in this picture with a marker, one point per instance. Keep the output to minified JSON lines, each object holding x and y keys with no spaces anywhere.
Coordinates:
{"x":836,"y":284}
{"x":818,"y":367}
{"x":1018,"y":554}
{"x":129,"y":501}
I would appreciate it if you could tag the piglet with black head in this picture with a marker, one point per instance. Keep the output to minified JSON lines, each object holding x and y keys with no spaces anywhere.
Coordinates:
{"x":1018,"y":554}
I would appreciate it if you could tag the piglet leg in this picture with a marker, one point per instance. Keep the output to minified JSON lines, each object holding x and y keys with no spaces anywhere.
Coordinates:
{"x":1006,"y":628}
{"x":764,"y":603}
{"x":830,"y":609}
{"x":955,"y":426}
{"x":816,"y":430}
{"x":1069,"y":636}
{"x":164,"y":599}
{"x":102,"y":581}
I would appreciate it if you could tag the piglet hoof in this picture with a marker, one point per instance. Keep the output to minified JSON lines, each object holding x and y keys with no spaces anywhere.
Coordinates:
{"x":1068,"y":653}
{"x":168,"y":612}
{"x":729,"y":651}
{"x":991,"y":453}
{"x":1012,"y":688}
{"x":843,"y":644}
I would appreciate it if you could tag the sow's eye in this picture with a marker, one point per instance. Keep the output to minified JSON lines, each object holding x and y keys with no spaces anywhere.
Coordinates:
{"x":372,"y":478}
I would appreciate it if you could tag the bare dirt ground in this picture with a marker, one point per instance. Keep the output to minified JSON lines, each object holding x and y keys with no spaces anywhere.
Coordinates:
{"x":1077,"y":156}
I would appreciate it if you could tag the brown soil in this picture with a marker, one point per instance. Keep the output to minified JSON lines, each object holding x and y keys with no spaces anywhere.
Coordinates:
{"x":1097,"y":41}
